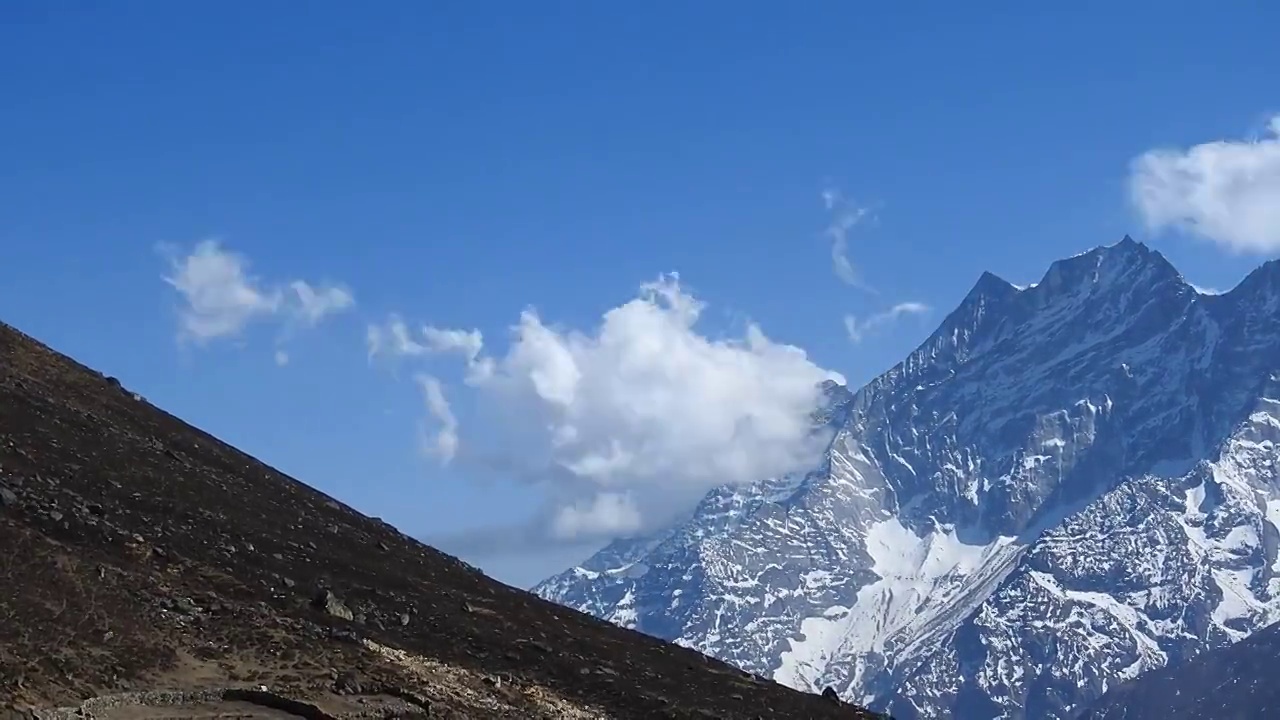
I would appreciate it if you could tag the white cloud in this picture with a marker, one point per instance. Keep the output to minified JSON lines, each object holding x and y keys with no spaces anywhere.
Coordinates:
{"x":394,"y":338}
{"x":314,"y":304}
{"x":1206,"y":290}
{"x":220,"y":298}
{"x":858,"y":329}
{"x":467,"y":343}
{"x":844,"y":216}
{"x":638,"y":418}
{"x":608,"y":513}
{"x":1227,"y":191}
{"x":444,"y":442}
{"x":282,"y":358}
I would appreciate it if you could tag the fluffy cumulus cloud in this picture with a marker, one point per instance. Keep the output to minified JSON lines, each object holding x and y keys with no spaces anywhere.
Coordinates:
{"x":860,"y":328}
{"x":629,"y":422}
{"x":1226,"y":191}
{"x":220,"y":297}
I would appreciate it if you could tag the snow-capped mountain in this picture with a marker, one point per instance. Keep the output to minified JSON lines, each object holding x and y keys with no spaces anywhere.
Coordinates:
{"x":1066,"y":485}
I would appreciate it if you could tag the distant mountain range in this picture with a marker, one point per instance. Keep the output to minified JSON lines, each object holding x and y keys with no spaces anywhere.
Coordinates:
{"x":1066,"y":486}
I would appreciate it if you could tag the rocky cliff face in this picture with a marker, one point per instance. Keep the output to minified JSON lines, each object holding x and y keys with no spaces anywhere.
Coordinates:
{"x":1236,"y":681}
{"x":1066,"y":485}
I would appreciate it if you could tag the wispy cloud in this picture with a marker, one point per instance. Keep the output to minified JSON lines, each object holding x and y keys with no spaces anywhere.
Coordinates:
{"x":443,"y":442}
{"x":314,"y":304}
{"x":220,"y":298}
{"x":1203,"y":290}
{"x":844,"y":216}
{"x":394,"y":338}
{"x":1226,"y":191}
{"x":858,"y":329}
{"x":632,"y":421}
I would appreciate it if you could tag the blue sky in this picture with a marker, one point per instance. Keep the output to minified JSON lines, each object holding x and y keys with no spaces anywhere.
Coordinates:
{"x":453,"y":164}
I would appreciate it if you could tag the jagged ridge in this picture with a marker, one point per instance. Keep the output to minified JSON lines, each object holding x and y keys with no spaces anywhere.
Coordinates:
{"x":1065,"y":485}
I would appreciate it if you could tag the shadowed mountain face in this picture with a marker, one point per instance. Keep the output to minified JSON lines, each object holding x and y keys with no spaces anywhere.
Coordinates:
{"x":1065,"y":486}
{"x":1236,"y":682}
{"x":138,"y":553}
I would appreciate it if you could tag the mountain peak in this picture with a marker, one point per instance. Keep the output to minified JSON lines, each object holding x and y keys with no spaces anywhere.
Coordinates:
{"x":1107,"y":285}
{"x":1126,"y":264}
{"x":1102,"y":262}
{"x":991,"y":285}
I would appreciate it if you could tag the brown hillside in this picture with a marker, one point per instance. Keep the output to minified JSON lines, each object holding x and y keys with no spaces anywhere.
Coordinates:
{"x":143,"y":558}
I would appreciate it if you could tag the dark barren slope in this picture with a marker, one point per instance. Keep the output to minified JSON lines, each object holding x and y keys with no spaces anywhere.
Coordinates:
{"x":139,"y":555}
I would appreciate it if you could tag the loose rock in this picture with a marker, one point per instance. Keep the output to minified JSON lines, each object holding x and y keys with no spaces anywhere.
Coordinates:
{"x":328,"y":602}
